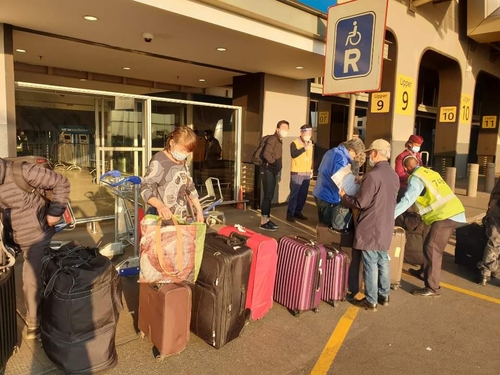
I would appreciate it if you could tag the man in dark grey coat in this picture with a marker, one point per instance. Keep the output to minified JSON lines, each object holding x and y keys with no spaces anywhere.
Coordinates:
{"x":375,"y":201}
{"x":33,"y":221}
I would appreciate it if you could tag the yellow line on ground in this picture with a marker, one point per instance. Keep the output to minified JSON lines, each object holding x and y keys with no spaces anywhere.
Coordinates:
{"x":297,"y":225}
{"x":335,"y":342}
{"x":470,"y":293}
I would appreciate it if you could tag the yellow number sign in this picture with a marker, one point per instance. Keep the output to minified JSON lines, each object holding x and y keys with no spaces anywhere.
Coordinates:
{"x":381,"y":102}
{"x":324,"y":118}
{"x":466,"y":109}
{"x":405,"y":95}
{"x":489,"y":122}
{"x":448,"y":114}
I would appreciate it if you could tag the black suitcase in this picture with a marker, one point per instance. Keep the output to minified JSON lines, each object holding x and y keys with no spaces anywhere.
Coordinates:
{"x":415,"y":229}
{"x":219,"y":294}
{"x":8,"y":325}
{"x":80,"y":306}
{"x":471,"y":241}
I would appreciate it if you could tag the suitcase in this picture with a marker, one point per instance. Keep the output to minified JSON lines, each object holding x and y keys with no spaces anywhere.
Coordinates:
{"x":164,"y":316}
{"x":336,"y":274}
{"x":299,"y":276}
{"x":415,"y":229}
{"x":471,"y":242}
{"x":263,"y":269}
{"x":219,"y":295}
{"x":344,"y":241}
{"x":396,"y":254}
{"x":8,"y":324}
{"x":80,"y":307}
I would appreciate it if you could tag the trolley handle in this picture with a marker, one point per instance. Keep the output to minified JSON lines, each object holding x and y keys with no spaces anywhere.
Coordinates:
{"x":136,"y":180}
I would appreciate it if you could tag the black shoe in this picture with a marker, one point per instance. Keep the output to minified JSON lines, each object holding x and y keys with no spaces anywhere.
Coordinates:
{"x":275,"y":226}
{"x":33,"y":333}
{"x":426,"y":292}
{"x":383,"y":301}
{"x":484,"y":280}
{"x":268,"y":226}
{"x":364,"y":304}
{"x":419,"y":274}
{"x":300,"y":216}
{"x":290,"y":218}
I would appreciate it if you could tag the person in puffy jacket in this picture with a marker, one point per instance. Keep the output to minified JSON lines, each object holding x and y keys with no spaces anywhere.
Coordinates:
{"x":412,"y":148}
{"x":32,"y":219}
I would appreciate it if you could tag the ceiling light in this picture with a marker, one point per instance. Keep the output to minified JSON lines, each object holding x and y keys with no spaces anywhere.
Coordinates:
{"x":221,"y":49}
{"x":126,"y":68}
{"x":299,"y":67}
{"x":90,"y":18}
{"x":82,"y":79}
{"x":202,"y":80}
{"x":20,"y":50}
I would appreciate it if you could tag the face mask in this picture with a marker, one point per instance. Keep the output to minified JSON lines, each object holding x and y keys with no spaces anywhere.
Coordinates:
{"x":415,"y":149}
{"x":306,"y":138}
{"x":179,"y":156}
{"x":283,"y":133}
{"x":370,"y":162}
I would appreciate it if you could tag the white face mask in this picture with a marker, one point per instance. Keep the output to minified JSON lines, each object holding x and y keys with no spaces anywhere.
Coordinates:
{"x":371,"y":163}
{"x":283,"y":133}
{"x":306,"y":138}
{"x":179,"y":156}
{"x":415,"y":149}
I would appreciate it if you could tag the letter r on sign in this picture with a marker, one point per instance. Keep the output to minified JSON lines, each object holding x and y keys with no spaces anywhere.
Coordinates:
{"x":351,"y":58}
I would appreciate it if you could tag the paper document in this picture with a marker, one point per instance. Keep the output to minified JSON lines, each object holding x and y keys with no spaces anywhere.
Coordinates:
{"x":345,"y":179}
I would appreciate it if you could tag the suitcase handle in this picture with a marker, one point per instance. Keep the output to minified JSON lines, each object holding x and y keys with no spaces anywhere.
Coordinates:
{"x":320,"y":277}
{"x":239,"y":237}
{"x":305,"y":240}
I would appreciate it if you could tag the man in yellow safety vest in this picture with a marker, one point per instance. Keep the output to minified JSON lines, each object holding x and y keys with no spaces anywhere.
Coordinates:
{"x":440,"y":209}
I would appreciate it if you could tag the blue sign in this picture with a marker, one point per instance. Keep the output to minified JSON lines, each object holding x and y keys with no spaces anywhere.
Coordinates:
{"x":353,"y":55}
{"x":321,"y":5}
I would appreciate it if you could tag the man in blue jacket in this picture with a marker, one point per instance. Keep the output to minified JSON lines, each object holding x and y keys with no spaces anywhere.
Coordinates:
{"x":326,"y":192}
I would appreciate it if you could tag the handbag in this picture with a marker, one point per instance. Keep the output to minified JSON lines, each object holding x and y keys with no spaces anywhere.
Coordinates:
{"x":170,"y":253}
{"x":341,"y":218}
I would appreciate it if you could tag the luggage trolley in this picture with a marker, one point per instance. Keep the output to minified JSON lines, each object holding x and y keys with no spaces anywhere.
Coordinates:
{"x":125,"y":189}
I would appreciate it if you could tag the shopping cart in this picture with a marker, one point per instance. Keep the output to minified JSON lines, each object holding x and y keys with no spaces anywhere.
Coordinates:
{"x":210,"y":201}
{"x":126,"y":191}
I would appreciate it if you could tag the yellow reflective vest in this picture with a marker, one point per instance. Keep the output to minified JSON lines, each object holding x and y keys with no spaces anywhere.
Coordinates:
{"x":439,"y":202}
{"x":302,"y":163}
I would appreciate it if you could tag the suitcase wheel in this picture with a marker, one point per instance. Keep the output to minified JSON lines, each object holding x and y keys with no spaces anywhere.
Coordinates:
{"x":16,"y":350}
{"x":295,"y":313}
{"x":316,"y":310}
{"x":142,"y":334}
{"x":160,"y":358}
{"x":394,"y":286}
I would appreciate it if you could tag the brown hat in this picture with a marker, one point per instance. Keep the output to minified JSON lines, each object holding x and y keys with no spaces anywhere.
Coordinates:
{"x":416,"y":139}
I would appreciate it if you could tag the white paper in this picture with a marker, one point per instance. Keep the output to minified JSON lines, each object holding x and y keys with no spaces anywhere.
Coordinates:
{"x":345,"y":179}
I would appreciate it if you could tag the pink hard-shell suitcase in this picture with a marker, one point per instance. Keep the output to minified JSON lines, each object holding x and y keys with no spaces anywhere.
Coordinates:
{"x":263,"y":270}
{"x":336,"y":276}
{"x":299,"y":276}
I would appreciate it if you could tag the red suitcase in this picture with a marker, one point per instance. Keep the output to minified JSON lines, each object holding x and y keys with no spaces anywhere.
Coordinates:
{"x":336,"y":277}
{"x":165,"y":316}
{"x":299,"y":276}
{"x":263,"y":270}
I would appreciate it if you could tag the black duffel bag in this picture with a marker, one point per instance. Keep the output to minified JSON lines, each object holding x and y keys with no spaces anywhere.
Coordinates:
{"x":81,"y":303}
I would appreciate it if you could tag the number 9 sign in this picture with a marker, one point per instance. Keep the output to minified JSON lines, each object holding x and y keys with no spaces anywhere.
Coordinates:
{"x":381,"y":102}
{"x":405,"y":95}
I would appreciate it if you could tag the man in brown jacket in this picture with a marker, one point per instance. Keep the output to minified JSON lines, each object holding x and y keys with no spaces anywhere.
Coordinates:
{"x":32,"y":220}
{"x":375,"y":201}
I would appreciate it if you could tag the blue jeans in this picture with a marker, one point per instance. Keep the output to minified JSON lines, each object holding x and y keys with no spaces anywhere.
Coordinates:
{"x":299,"y":187}
{"x":376,"y":274}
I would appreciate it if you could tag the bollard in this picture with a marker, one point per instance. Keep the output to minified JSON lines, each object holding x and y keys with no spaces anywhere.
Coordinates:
{"x":450,"y":175}
{"x":473,"y":177}
{"x":489,"y":181}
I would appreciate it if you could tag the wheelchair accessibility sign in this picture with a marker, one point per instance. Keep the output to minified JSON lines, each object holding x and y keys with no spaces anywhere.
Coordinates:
{"x":353,"y":46}
{"x":354,"y":51}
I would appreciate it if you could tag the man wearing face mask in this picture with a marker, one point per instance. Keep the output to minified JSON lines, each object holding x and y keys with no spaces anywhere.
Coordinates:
{"x":302,"y":153}
{"x":271,"y":167}
{"x":440,"y":209}
{"x":375,"y":200}
{"x":412,"y":148}
{"x":326,"y":193}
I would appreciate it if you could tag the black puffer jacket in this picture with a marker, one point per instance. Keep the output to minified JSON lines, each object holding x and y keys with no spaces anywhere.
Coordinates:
{"x":28,"y":210}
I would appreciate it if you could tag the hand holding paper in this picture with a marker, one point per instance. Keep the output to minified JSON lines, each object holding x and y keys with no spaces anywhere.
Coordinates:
{"x":346,"y":181}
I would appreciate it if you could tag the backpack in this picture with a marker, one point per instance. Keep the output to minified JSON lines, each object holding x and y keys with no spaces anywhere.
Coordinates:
{"x":257,"y":155}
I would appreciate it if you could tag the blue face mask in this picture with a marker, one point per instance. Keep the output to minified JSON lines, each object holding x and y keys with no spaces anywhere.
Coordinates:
{"x":370,"y":162}
{"x":415,"y":149}
{"x":179,"y":156}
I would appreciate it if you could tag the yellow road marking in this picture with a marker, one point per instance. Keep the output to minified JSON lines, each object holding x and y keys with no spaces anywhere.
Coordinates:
{"x":335,"y":342}
{"x":470,"y":293}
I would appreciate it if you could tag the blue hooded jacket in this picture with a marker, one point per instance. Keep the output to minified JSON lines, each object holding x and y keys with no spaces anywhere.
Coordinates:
{"x":334,"y":160}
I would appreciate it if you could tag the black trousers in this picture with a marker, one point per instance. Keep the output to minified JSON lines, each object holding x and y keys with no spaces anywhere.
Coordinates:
{"x":269,"y":185}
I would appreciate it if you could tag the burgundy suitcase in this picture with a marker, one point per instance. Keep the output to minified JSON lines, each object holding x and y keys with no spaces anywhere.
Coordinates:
{"x":299,"y":276}
{"x":164,"y":316}
{"x":336,"y":273}
{"x":263,"y":270}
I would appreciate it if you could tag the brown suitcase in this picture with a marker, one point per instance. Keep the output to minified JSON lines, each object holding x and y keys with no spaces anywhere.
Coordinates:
{"x":397,"y":254}
{"x":328,"y":236}
{"x":165,"y":316}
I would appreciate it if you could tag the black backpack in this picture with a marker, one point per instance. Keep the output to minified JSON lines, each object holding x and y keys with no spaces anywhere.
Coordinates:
{"x":257,"y":155}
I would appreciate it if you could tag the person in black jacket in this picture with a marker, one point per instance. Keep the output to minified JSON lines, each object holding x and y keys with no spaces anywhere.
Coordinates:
{"x":273,"y":162}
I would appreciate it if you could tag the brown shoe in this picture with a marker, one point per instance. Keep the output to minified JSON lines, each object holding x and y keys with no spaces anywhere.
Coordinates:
{"x":426,"y":292}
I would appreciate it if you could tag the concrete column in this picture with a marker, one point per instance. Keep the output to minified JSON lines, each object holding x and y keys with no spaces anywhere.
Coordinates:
{"x":450,"y":177}
{"x":489,"y":183}
{"x":7,"y":93}
{"x":473,"y":170}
